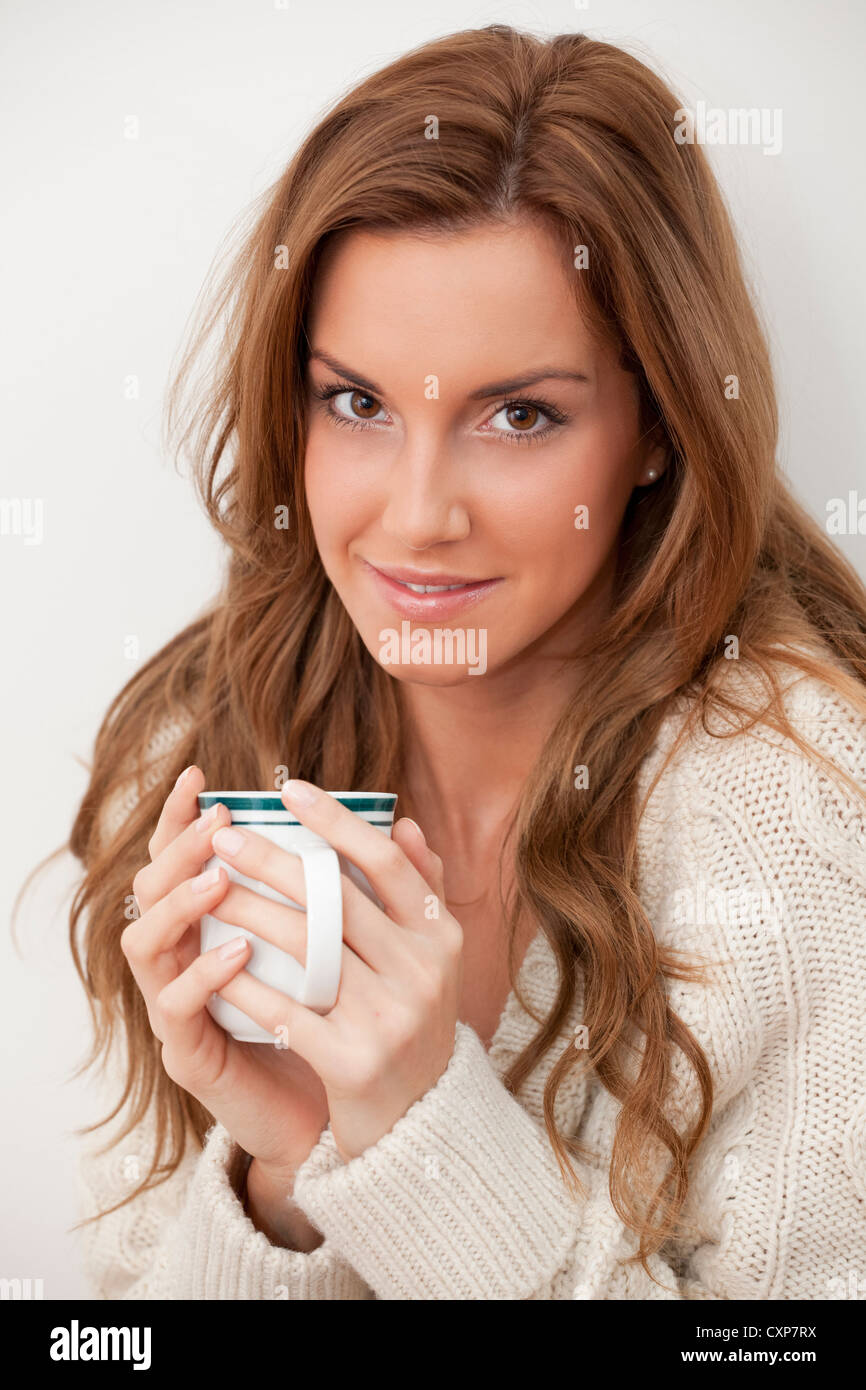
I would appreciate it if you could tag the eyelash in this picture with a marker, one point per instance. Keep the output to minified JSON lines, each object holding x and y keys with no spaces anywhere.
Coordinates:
{"x":330,"y":389}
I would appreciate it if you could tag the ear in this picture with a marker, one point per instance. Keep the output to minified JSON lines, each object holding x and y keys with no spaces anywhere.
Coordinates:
{"x":653,"y":466}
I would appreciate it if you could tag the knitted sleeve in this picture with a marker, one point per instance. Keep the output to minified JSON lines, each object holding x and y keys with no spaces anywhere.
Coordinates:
{"x":188,"y":1237}
{"x":757,"y":858}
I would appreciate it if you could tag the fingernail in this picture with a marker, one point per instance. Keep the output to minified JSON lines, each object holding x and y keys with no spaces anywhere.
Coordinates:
{"x":206,"y":880}
{"x":206,"y":818}
{"x":183,"y":776}
{"x":228,"y":840}
{"x":232,"y":948}
{"x":300,"y":793}
{"x":416,"y":825}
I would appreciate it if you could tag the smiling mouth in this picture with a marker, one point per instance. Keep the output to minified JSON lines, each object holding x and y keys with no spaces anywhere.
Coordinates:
{"x":428,"y":593}
{"x":434,"y":588}
{"x":421,"y":582}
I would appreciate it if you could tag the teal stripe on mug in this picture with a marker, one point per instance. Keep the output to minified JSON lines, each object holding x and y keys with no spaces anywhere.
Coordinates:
{"x":370,"y":819}
{"x":272,"y":801}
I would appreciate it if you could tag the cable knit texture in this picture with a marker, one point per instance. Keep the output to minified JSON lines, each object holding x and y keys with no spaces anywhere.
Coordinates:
{"x":749,"y":854}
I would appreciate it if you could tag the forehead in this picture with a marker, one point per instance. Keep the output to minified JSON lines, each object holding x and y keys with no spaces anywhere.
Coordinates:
{"x":501,"y":288}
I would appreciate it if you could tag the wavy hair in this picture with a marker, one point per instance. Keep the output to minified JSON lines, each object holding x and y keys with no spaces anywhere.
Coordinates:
{"x":577,"y":134}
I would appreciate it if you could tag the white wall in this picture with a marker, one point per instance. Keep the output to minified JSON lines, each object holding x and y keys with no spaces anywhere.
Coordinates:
{"x":106,"y":242}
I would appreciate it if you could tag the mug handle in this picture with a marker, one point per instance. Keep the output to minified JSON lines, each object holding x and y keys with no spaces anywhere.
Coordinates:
{"x":324,"y":926}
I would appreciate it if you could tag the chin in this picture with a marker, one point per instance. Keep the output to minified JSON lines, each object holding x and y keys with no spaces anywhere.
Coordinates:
{"x":442,"y":677}
{"x":423,"y":654}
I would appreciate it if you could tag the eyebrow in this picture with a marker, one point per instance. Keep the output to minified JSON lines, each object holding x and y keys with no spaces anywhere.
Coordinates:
{"x":492,"y":388}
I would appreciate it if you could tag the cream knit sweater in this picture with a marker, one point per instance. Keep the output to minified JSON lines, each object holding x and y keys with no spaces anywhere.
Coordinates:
{"x":748,"y":852}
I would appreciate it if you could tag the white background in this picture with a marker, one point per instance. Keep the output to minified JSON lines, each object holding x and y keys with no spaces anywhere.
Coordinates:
{"x":106,"y":242}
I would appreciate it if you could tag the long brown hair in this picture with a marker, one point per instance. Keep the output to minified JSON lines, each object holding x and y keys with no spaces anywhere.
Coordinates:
{"x":578,"y":134}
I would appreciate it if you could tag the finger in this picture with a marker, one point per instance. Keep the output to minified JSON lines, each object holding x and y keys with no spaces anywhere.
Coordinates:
{"x":181,"y":1005}
{"x":259,"y":858}
{"x":365,"y":928}
{"x":180,"y":858}
{"x":290,"y":1023}
{"x":179,"y":809}
{"x":412,"y":841}
{"x":149,"y":942}
{"x":390,"y":873}
{"x":282,"y":926}
{"x":255,"y":856}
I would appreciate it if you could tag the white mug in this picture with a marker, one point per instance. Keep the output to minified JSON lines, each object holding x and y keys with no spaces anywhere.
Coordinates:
{"x":317,"y":983}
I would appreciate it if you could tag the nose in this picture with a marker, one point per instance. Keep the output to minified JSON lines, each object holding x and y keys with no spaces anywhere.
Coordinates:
{"x":424,"y":506}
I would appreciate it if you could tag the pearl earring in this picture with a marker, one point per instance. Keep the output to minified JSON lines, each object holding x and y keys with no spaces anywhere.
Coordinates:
{"x":652,"y":474}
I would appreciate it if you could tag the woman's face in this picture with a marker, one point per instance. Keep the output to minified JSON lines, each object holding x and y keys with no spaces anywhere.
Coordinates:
{"x":474,"y":435}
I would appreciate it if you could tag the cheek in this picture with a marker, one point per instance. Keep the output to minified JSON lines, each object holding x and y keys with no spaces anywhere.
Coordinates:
{"x":316,"y":490}
{"x":562,"y":522}
{"x":337,"y":500}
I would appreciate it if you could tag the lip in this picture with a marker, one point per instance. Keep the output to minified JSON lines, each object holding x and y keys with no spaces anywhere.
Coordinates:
{"x":428,"y":607}
{"x":412,"y":576}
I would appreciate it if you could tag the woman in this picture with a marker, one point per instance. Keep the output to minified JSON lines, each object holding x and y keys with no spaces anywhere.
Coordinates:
{"x":489,"y":365}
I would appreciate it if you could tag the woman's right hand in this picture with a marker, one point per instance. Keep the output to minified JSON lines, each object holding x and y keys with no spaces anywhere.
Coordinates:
{"x":269,"y":1099}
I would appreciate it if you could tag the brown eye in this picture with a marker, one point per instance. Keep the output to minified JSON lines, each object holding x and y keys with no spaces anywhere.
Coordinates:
{"x":523,"y":417}
{"x":364,"y":405}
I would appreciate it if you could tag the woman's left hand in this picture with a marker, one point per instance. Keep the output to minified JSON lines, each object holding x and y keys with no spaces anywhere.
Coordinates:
{"x":391,"y":1033}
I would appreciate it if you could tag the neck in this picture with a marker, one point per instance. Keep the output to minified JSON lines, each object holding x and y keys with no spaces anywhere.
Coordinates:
{"x":470,"y":750}
{"x":470,"y":747}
